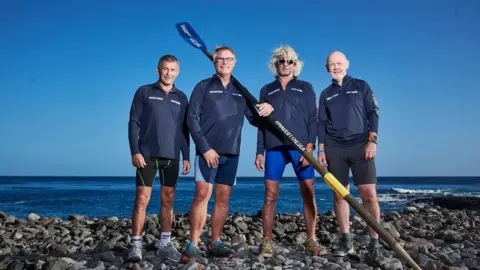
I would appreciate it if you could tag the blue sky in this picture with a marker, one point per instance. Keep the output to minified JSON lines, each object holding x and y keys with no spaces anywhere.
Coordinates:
{"x":70,"y":68}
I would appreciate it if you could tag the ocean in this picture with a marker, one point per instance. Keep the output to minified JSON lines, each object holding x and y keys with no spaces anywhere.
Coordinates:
{"x":114,"y":196}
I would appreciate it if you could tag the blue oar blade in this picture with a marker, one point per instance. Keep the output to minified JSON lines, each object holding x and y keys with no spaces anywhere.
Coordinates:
{"x":190,"y":36}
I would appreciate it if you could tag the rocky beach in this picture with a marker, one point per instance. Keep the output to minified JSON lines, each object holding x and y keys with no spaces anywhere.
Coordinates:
{"x":444,"y":234}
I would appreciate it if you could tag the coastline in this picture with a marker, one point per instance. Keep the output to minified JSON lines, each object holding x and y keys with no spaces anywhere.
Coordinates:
{"x":436,"y":237}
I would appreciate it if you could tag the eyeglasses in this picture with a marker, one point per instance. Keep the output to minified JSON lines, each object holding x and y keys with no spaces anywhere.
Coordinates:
{"x":221,"y":59}
{"x":283,"y":61}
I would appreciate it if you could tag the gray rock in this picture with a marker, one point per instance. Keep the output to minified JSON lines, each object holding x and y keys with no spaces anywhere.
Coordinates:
{"x":242,"y":226}
{"x":391,"y":264}
{"x":452,"y":236}
{"x":301,"y":238}
{"x":238,"y":239}
{"x":291,"y":227}
{"x":332,"y":266}
{"x":33,"y":217}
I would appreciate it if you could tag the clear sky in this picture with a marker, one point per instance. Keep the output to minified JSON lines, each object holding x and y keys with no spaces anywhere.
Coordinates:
{"x":69,"y":70}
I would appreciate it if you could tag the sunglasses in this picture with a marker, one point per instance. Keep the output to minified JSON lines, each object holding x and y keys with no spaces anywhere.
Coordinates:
{"x":283,"y":61}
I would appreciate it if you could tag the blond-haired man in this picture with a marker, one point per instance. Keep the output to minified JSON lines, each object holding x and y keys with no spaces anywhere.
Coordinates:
{"x":295,"y":107}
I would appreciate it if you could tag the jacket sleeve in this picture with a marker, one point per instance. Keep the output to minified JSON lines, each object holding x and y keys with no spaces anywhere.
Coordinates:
{"x":322,"y":119}
{"x":371,"y":108}
{"x":312,"y":116}
{"x":193,"y":118}
{"x":261,"y":129}
{"x":134,"y":121}
{"x":185,"y":148}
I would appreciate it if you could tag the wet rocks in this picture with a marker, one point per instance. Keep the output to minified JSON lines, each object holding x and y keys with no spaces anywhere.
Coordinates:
{"x":435,"y":237}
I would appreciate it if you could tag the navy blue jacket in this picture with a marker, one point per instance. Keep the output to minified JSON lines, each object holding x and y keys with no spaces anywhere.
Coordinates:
{"x":295,"y":107}
{"x":347,"y":114}
{"x":216,"y":116}
{"x":157,"y":125}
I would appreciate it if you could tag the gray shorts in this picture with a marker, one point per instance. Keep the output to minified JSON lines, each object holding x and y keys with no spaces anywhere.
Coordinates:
{"x":341,"y":159}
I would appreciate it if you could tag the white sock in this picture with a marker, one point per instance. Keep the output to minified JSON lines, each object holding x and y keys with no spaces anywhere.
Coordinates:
{"x":164,"y":238}
{"x":137,"y":241}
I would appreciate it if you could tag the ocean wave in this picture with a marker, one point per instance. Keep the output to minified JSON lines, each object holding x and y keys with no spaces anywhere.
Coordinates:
{"x":388,"y":198}
{"x":424,"y":191}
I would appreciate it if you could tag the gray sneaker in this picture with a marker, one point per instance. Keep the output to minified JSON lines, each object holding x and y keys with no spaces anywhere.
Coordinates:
{"x":135,"y":254}
{"x":374,"y":255}
{"x":168,"y":252}
{"x":346,"y":247}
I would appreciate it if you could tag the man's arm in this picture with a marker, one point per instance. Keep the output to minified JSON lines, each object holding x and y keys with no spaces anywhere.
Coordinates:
{"x":185,"y":134}
{"x":261,"y":129}
{"x":322,"y":122}
{"x":371,"y":108}
{"x":312,"y":117}
{"x":193,"y":118}
{"x":134,"y":122}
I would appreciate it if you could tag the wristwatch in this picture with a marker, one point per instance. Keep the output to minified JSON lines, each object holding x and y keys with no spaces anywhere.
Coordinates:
{"x":373,"y":139}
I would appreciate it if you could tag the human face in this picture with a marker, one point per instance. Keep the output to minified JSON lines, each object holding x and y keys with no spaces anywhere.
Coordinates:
{"x":168,"y":71}
{"x":224,"y":62}
{"x":337,"y":65}
{"x":285,"y":66}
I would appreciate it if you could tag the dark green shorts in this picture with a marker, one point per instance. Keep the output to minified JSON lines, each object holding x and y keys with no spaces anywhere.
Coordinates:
{"x":167,"y":171}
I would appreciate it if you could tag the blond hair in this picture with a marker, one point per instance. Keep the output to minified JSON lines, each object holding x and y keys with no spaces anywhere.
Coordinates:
{"x":289,"y":54}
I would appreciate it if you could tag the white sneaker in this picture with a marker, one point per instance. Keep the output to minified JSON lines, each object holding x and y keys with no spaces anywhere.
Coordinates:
{"x":168,"y":252}
{"x":135,"y":254}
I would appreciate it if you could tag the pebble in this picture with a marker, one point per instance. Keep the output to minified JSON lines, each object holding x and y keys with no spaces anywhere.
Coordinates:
{"x":435,"y":237}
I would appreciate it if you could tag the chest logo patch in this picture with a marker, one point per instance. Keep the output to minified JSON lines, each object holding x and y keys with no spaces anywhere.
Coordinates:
{"x":274,"y":91}
{"x":157,"y":98}
{"x":336,"y":95}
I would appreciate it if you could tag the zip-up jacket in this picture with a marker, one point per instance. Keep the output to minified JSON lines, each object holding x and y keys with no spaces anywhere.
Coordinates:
{"x":295,"y":107}
{"x":157,"y":125}
{"x":347,"y":113}
{"x":216,"y":115}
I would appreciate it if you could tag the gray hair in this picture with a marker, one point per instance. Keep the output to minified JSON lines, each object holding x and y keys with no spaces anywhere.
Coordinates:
{"x":221,"y":48}
{"x":167,"y":58}
{"x":290,"y":54}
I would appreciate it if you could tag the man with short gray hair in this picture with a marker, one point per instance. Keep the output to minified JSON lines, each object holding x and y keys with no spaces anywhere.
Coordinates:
{"x":157,"y":131}
{"x":215,"y":120}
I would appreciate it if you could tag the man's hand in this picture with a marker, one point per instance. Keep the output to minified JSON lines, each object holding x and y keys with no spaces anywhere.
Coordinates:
{"x":138,"y":161}
{"x":322,"y":158}
{"x":303,"y":160}
{"x":265,"y":109}
{"x":186,"y":167}
{"x":211,"y":157}
{"x":259,"y":161}
{"x":370,"y":150}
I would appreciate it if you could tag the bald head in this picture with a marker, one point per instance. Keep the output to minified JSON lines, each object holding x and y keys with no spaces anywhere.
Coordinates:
{"x":337,"y":65}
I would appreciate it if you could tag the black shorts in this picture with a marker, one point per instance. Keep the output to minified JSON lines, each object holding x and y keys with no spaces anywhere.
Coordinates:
{"x":167,"y":171}
{"x":341,"y":159}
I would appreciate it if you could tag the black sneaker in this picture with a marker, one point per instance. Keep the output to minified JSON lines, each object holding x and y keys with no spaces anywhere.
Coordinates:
{"x":190,"y":254}
{"x":219,"y":250}
{"x":345,"y":248}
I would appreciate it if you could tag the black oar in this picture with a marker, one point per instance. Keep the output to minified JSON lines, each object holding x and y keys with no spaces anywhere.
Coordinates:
{"x":192,"y":38}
